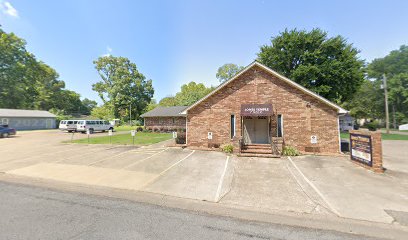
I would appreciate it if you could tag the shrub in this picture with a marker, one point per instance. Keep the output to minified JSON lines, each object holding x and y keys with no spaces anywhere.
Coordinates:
{"x":181,"y":138}
{"x":139,"y":129}
{"x":290,"y":151}
{"x":227,"y":148}
{"x":372,"y":126}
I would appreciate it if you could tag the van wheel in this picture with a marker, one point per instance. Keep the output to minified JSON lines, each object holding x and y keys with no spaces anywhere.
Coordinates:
{"x":5,"y":135}
{"x":103,"y":130}
{"x":111,"y":128}
{"x":91,"y":130}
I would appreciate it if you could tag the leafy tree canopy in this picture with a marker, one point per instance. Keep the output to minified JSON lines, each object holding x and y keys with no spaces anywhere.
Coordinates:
{"x":368,"y":102}
{"x":227,"y":71}
{"x":26,"y":83}
{"x":122,"y":86}
{"x":327,"y":66}
{"x":189,"y":94}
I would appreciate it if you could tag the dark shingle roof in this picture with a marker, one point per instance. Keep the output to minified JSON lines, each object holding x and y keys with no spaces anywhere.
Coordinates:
{"x":24,"y":113}
{"x":166,"y":112}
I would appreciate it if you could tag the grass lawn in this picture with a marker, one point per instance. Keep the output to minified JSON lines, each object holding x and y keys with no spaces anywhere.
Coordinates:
{"x":384,"y":136}
{"x":141,"y":138}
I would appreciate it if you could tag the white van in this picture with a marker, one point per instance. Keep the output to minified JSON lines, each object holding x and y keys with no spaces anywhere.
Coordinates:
{"x":68,"y":125}
{"x":93,"y":126}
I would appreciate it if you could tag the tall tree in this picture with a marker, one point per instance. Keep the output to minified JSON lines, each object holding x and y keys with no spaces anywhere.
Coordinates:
{"x":327,"y":66}
{"x":227,"y":71}
{"x":395,"y":67}
{"x":87,"y":106}
{"x":189,"y":94}
{"x":122,"y":86}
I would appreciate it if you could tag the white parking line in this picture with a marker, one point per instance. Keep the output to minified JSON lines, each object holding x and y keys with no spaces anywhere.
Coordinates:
{"x":316,"y":189}
{"x":135,"y":163}
{"x":217,"y":195}
{"x":167,"y":169}
{"x":85,"y":153}
{"x":112,"y":156}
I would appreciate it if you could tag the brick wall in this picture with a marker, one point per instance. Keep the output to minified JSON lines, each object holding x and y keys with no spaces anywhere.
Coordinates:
{"x":303,"y":115}
{"x":165,"y":123}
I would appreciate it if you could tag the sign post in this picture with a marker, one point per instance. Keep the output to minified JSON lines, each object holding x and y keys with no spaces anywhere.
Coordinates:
{"x":110,"y":133}
{"x":133,"y":133}
{"x":313,"y":140}
{"x":88,"y":133}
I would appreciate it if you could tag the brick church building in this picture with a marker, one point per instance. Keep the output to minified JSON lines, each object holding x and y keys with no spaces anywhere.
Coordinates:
{"x":259,"y":110}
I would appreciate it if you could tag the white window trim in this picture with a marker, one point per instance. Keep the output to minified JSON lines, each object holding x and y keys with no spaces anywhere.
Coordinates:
{"x":5,"y":121}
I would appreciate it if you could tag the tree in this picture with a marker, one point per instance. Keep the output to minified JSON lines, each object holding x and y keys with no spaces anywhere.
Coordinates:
{"x":15,"y":75}
{"x":103,"y":112}
{"x":28,"y":83}
{"x":152,"y":105}
{"x":189,"y":94}
{"x":395,"y":67}
{"x":367,"y":102}
{"x":168,"y":101}
{"x":327,"y":66}
{"x":122,"y":86}
{"x":227,"y":71}
{"x":87,"y":106}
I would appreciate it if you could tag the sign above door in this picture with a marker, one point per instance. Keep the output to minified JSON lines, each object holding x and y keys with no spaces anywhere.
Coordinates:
{"x":256,"y":110}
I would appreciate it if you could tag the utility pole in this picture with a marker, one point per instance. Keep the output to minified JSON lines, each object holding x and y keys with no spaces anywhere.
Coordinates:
{"x":130,"y":114}
{"x":387,"y":118}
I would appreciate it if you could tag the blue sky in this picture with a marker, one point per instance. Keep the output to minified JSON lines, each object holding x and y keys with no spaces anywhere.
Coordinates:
{"x":175,"y":42}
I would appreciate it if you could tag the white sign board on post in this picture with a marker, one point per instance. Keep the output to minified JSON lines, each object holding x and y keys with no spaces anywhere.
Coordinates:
{"x":174,"y":134}
{"x":88,"y":132}
{"x":133,"y":133}
{"x":110,"y":132}
{"x":209,"y":136}
{"x":313,"y":139}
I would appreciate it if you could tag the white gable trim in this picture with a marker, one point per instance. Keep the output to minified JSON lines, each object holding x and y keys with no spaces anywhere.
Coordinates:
{"x":287,"y":80}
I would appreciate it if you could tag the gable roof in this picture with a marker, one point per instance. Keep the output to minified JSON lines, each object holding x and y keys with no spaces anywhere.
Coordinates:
{"x":166,"y":112}
{"x":4,"y":112}
{"x":285,"y":79}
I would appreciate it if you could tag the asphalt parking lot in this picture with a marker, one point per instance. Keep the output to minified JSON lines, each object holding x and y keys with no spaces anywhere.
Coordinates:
{"x":306,"y":184}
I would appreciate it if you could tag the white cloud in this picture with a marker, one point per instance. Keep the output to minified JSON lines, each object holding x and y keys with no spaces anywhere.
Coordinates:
{"x":108,"y":51}
{"x":8,"y":9}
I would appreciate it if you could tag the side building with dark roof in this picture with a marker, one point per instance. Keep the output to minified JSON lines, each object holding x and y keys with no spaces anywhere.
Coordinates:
{"x":21,"y":119}
{"x":165,"y":118}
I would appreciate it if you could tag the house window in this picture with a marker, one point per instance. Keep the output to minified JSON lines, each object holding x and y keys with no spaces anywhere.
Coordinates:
{"x":232,"y":126}
{"x":280,"y":126}
{"x":5,"y":121}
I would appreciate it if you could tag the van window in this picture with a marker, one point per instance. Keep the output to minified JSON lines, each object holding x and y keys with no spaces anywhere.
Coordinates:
{"x":100,"y":122}
{"x":62,"y":122}
{"x":75,"y":122}
{"x":70,"y":122}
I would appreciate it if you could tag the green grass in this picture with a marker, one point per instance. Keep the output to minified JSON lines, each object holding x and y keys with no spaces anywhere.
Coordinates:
{"x":141,"y":138}
{"x":384,"y":136}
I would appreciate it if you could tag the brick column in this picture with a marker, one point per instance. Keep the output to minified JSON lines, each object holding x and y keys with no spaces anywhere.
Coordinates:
{"x":376,"y":150}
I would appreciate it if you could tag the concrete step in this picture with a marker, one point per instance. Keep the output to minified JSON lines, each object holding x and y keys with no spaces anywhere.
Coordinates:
{"x":261,"y":151}
{"x":259,"y":155}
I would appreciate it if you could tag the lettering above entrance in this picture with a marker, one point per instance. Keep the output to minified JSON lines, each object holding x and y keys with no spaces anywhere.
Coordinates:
{"x":256,"y":110}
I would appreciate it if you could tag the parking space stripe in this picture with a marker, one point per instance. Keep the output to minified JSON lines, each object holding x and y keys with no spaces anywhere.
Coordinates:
{"x":135,"y":163}
{"x":217,"y":194}
{"x":315,"y":188}
{"x":167,"y":169}
{"x":112,"y":156}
